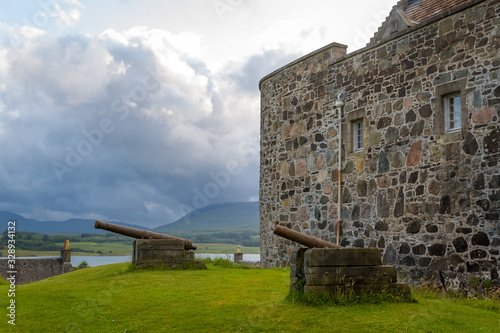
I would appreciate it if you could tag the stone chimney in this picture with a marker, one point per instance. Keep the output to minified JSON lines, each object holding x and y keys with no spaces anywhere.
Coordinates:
{"x":338,"y":50}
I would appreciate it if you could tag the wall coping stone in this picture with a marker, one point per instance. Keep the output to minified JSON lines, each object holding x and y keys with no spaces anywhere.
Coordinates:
{"x":372,"y":46}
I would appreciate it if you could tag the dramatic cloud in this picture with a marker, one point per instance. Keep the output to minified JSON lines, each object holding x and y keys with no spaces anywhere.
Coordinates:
{"x":127,"y":125}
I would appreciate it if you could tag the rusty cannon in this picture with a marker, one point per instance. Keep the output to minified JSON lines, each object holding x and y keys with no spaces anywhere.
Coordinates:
{"x":140,"y":234}
{"x":306,"y":240}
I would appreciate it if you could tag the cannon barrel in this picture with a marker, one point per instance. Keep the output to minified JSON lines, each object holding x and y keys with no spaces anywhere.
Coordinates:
{"x":139,"y":234}
{"x":305,"y":240}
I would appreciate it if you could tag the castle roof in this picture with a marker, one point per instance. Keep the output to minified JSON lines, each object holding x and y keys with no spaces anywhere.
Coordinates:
{"x":423,"y":10}
{"x":407,"y":13}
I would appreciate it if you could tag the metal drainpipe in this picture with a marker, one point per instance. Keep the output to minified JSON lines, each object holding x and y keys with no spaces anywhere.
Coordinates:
{"x":340,"y":105}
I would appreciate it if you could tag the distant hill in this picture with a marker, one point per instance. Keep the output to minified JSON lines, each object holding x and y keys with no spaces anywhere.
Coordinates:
{"x":221,"y":216}
{"x":68,"y":227}
{"x":215,"y":217}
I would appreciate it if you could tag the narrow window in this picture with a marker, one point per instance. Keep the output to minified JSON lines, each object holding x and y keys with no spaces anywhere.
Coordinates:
{"x":358,"y":135}
{"x":452,"y":113}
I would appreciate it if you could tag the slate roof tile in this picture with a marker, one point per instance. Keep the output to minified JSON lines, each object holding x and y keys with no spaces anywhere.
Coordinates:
{"x":423,"y":10}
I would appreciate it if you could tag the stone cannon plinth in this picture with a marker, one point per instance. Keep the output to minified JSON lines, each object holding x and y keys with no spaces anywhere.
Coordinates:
{"x":163,"y":252}
{"x":331,"y":271}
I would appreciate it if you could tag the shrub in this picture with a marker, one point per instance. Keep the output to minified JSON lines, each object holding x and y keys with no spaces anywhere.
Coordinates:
{"x":83,"y":264}
{"x":226,"y":263}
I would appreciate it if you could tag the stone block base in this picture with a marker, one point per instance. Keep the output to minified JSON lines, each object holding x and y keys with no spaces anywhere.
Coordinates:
{"x":398,"y":289}
{"x":162,"y":252}
{"x":333,"y":271}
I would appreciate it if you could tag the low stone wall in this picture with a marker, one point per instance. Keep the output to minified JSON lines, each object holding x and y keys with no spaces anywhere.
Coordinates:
{"x":35,"y":269}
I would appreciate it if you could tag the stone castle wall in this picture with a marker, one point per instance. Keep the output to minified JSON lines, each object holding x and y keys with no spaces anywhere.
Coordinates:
{"x":429,"y":201}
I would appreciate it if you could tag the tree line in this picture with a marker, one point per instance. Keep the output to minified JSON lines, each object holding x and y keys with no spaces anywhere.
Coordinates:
{"x":41,"y":242}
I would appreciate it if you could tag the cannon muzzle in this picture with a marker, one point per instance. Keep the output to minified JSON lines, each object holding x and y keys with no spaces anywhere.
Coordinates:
{"x":139,"y":234}
{"x":305,"y":240}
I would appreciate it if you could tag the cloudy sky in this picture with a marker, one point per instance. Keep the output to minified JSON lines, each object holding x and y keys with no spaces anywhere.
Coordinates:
{"x":142,"y":110}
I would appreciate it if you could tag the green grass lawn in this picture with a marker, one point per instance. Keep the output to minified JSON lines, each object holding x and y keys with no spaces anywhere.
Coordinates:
{"x":116,"y":298}
{"x":112,"y":249}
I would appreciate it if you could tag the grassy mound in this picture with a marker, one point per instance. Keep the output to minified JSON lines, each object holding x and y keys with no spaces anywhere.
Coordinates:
{"x":119,"y":298}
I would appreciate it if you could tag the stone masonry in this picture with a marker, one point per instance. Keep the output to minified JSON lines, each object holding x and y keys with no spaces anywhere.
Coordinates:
{"x":429,"y":200}
{"x":163,"y":253}
{"x":34,"y":269}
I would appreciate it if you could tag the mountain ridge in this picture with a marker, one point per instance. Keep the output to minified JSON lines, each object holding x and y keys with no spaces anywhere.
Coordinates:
{"x":218,"y":216}
{"x":70,"y":226}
